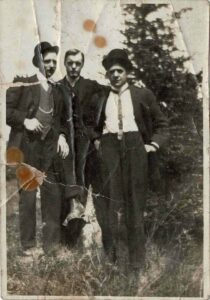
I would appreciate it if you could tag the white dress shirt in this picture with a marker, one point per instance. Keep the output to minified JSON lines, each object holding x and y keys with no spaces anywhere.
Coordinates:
{"x":111,"y":112}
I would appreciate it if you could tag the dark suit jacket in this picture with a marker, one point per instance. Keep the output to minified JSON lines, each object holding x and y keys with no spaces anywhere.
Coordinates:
{"x":85,"y":91}
{"x":23,"y":102}
{"x":151,"y":122}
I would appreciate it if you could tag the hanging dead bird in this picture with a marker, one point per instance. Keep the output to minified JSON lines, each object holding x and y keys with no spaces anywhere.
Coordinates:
{"x":73,"y":223}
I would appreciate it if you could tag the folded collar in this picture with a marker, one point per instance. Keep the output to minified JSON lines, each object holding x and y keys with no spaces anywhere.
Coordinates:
{"x":121,"y":89}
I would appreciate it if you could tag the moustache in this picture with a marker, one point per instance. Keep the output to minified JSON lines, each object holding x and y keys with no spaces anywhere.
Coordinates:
{"x":50,"y":70}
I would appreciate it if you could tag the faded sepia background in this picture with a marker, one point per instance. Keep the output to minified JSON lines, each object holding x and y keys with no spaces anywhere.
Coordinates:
{"x":174,"y":224}
{"x":25,"y":23}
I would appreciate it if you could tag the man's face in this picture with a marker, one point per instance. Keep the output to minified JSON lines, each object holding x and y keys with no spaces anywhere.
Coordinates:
{"x":117,"y":75}
{"x":49,"y":63}
{"x":74,"y":64}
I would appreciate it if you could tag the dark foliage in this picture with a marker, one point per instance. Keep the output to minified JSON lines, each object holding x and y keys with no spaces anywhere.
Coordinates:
{"x":174,"y":211}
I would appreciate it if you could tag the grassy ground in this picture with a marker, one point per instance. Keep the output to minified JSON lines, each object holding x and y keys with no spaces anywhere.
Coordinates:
{"x":170,"y":270}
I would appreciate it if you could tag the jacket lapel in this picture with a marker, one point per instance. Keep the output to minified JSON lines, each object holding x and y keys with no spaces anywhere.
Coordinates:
{"x":104,"y":101}
{"x":35,"y":90}
{"x":135,"y":97}
{"x":56,"y":99}
{"x":141,"y":112}
{"x":80,"y":89}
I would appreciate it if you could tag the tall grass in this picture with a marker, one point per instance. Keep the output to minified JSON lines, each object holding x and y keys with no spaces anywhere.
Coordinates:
{"x":171,"y":269}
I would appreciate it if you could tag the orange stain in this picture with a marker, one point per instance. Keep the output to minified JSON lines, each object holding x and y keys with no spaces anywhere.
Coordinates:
{"x":100,"y":41}
{"x":89,"y":25}
{"x":27,"y":178}
{"x":14,"y":156}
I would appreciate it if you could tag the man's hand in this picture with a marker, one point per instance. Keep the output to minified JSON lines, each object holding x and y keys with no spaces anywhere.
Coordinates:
{"x":150,"y":148}
{"x":62,"y":147}
{"x":33,"y":125}
{"x":97,"y":144}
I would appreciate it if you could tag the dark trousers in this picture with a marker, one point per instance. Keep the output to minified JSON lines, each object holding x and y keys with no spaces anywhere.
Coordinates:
{"x":81,"y":148}
{"x":123,"y":190}
{"x":50,"y":209}
{"x":87,"y":164}
{"x":41,"y":155}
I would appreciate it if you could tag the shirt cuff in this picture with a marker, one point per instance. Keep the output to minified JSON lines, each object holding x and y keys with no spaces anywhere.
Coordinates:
{"x":155,"y":145}
{"x":62,"y":134}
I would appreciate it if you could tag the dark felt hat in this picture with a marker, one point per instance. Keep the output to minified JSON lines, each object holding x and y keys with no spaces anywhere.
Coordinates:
{"x":117,"y":56}
{"x":40,"y":49}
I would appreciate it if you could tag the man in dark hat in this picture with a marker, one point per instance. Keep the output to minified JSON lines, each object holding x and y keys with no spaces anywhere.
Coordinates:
{"x":38,"y":116}
{"x":130,"y":126}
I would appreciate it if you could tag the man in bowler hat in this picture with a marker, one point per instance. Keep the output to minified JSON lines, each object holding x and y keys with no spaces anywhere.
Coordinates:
{"x":130,"y":126}
{"x":37,"y":114}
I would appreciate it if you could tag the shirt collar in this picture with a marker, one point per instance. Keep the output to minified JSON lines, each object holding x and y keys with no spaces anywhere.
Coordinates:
{"x":121,"y":89}
{"x":41,"y":77}
{"x":44,"y":81}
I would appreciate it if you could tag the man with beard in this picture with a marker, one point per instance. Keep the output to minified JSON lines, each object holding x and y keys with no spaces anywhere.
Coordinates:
{"x":37,"y":114}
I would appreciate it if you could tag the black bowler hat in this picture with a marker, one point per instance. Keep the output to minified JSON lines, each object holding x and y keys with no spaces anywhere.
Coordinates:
{"x":40,"y":49}
{"x":117,"y":56}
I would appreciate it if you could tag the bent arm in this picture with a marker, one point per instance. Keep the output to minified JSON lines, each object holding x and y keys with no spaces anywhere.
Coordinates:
{"x":159,"y":122}
{"x":14,"y":115}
